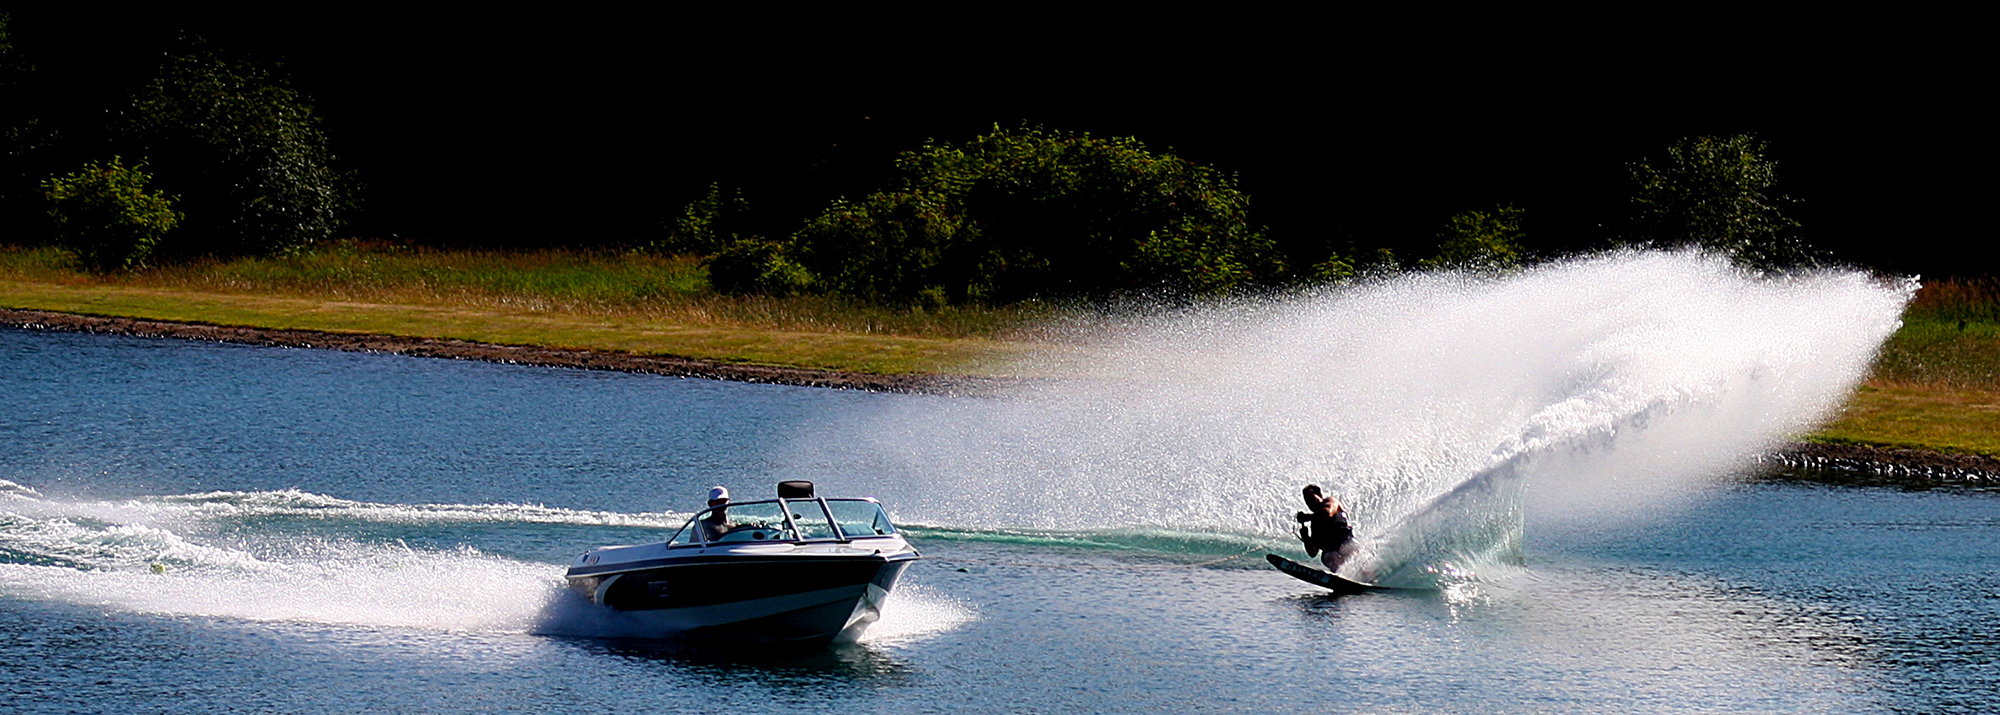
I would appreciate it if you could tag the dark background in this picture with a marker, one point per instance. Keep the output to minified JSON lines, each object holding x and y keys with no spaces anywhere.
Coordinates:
{"x":591,"y":128}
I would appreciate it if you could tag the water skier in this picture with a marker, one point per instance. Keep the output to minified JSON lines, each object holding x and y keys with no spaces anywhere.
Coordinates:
{"x":1324,"y":529}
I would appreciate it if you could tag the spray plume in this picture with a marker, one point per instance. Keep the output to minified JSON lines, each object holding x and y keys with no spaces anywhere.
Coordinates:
{"x":1435,"y":405}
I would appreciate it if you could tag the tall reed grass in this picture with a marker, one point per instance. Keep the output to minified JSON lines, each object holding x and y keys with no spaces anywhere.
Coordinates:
{"x":1973,"y":300}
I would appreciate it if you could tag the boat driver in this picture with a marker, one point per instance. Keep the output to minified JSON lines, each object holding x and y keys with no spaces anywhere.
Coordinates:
{"x":716,"y":522}
{"x":1324,"y":529}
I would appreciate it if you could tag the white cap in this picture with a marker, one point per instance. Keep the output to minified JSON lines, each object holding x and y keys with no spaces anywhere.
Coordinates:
{"x":718,"y":492}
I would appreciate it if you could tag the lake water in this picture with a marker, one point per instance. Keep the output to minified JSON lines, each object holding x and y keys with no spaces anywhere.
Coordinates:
{"x":341,"y":532}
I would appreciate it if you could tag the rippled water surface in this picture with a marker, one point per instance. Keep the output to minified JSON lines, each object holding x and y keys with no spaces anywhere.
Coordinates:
{"x":197,"y":527}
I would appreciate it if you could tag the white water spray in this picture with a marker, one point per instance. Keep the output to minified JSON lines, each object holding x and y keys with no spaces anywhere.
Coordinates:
{"x":1425,"y":402}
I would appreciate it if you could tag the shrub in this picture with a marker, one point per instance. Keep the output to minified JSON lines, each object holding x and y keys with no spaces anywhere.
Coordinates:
{"x":1478,"y":240}
{"x":738,"y":263}
{"x":889,"y":245}
{"x":707,"y":226}
{"x":1355,"y":263}
{"x":104,"y":214}
{"x":1022,"y":214}
{"x":755,"y":265}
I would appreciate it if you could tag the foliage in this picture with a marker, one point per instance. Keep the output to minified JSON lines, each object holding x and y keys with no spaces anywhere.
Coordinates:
{"x":104,"y":214}
{"x":706,"y":226}
{"x":1334,"y":269}
{"x":12,"y":67}
{"x":1022,"y":214}
{"x":1478,"y":240}
{"x":1355,"y":263}
{"x":245,"y":149}
{"x":1715,"y":192}
{"x":738,"y":263}
{"x":756,"y":266}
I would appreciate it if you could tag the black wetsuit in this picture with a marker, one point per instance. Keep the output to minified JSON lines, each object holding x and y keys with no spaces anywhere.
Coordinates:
{"x":1325,"y":533}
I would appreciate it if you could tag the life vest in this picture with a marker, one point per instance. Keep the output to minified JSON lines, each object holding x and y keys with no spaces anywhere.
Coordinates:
{"x":1329,"y":533}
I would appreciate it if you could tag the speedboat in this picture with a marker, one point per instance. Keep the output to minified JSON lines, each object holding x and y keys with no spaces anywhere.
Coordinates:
{"x":798,"y":569}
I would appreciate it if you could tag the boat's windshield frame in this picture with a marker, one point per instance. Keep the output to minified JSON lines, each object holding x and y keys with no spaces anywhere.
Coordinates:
{"x":699,"y":539}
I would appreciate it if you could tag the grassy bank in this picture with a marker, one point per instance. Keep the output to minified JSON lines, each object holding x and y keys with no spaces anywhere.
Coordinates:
{"x":556,"y":281}
{"x":1937,"y":385}
{"x":595,"y":300}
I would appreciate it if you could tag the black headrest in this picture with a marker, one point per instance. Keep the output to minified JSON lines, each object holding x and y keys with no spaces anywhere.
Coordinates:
{"x":795,"y":489}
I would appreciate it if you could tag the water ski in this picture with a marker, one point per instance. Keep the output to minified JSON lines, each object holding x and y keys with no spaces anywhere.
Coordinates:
{"x":1316,"y":577}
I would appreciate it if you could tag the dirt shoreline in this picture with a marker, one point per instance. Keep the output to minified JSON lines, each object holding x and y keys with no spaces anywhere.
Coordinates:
{"x":1891,"y":464}
{"x":1896,"y":464}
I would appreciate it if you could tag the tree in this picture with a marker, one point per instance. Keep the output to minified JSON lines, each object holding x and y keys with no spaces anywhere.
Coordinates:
{"x":1715,"y":192}
{"x":245,"y":149}
{"x":24,"y":142}
{"x":104,"y":214}
{"x":1019,"y":214}
{"x":1478,"y":240}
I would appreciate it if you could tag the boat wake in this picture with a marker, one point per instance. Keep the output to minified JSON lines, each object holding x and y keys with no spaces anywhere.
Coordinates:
{"x":234,"y":505}
{"x":231,"y":555}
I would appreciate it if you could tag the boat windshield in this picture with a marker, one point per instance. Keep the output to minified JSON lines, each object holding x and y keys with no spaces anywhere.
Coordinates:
{"x":749,"y":521}
{"x":860,"y":518}
{"x":690,"y":533}
{"x":811,"y":520}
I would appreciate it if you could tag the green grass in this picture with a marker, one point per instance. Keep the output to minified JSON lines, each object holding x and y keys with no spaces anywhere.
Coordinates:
{"x":1942,"y":354}
{"x":1936,"y":419}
